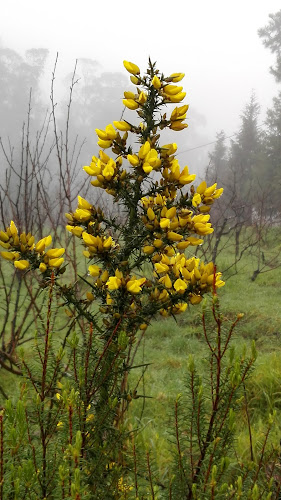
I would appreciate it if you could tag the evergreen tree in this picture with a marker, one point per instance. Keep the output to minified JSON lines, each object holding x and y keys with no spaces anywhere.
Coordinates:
{"x":240,"y":162}
{"x":271,"y":35}
{"x":245,"y":158}
{"x":247,"y":145}
{"x":218,"y":160}
{"x":237,"y":168}
{"x":272,"y":175}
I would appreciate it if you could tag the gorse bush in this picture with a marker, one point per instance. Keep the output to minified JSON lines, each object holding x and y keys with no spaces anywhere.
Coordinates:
{"x":205,"y":416}
{"x":67,"y":436}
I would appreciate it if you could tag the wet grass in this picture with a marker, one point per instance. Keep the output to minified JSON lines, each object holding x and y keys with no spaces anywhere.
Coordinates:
{"x":168,"y":344}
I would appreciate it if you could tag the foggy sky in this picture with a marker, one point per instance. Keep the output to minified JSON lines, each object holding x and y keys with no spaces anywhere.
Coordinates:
{"x":215,"y":43}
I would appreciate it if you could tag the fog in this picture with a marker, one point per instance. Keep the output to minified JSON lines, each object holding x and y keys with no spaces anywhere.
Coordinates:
{"x":215,"y":43}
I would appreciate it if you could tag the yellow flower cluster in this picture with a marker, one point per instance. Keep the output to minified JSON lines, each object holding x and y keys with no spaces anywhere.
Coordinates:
{"x":172,"y":174}
{"x":16,"y":245}
{"x":173,"y":93}
{"x":52,"y":259}
{"x":166,"y":92}
{"x":109,"y":135}
{"x":109,"y":284}
{"x":206,"y":195}
{"x":187,"y":277}
{"x":134,"y":101}
{"x":177,"y":117}
{"x":133,"y":285}
{"x":147,"y":158}
{"x":85,"y":212}
{"x":163,"y":297}
{"x":22,"y":250}
{"x":89,"y":231}
{"x":97,"y":244}
{"x":105,"y":169}
{"x":170,"y":93}
{"x":106,"y":137}
{"x":172,"y":225}
{"x":85,"y":223}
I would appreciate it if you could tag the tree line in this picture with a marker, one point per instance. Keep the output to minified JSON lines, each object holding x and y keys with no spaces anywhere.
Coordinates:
{"x":253,"y":158}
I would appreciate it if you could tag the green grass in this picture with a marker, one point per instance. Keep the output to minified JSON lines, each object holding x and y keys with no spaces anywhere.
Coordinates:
{"x":168,"y":344}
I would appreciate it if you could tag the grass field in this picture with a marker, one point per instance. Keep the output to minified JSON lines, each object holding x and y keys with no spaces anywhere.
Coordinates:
{"x":168,"y":344}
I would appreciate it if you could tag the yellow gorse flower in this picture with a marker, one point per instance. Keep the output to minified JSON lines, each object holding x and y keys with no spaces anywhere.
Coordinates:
{"x":156,"y":82}
{"x":21,"y":264}
{"x":130,"y":104}
{"x":142,"y":98}
{"x":172,"y":89}
{"x":106,"y":137}
{"x":122,"y":125}
{"x":131,"y":67}
{"x":176,"y":77}
{"x":113,"y":283}
{"x":94,"y":270}
{"x":134,"y":285}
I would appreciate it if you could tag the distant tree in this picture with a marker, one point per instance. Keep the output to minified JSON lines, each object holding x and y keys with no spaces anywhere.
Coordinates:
{"x":271,"y":35}
{"x":18,"y":76}
{"x":243,"y":153}
{"x":273,"y":122}
{"x":272,"y":174}
{"x":246,"y":147}
{"x":218,"y":160}
{"x":246,"y":156}
{"x":237,"y":169}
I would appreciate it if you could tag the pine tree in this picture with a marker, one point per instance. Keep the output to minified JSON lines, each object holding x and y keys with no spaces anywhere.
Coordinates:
{"x":218,"y":164}
{"x":271,"y":35}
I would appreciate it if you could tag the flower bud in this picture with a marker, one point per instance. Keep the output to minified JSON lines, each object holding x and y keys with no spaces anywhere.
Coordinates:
{"x":21,"y":264}
{"x":156,"y":82}
{"x":130,"y":103}
{"x":142,"y":98}
{"x":131,"y":67}
{"x":134,"y":80}
{"x":122,"y":126}
{"x":176,"y":77}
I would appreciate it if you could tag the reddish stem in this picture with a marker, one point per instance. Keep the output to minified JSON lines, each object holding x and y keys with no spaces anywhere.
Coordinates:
{"x":1,"y":456}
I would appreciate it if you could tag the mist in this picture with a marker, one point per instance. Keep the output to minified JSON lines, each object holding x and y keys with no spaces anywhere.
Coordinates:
{"x":216,"y":45}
